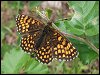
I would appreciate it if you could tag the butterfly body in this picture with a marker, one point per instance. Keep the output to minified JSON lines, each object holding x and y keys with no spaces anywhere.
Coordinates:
{"x":43,"y":40}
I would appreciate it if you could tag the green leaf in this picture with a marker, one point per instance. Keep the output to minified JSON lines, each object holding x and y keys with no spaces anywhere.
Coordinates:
{"x":94,"y":40}
{"x":5,"y":48}
{"x":93,"y":30}
{"x":13,"y":61}
{"x":72,"y":29}
{"x":94,"y":12}
{"x":88,"y":7}
{"x":61,"y":25}
{"x":86,"y":54}
{"x":36,"y":68}
{"x":86,"y":13}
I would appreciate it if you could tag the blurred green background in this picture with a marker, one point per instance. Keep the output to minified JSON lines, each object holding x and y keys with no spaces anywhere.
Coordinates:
{"x":84,"y":23}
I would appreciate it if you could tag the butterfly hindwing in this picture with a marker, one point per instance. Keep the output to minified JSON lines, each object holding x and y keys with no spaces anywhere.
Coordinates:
{"x":63,"y":49}
{"x":28,"y":42}
{"x":44,"y":52}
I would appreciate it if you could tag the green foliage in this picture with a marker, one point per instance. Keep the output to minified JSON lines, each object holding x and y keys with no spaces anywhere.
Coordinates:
{"x":84,"y":22}
{"x":16,"y":61}
{"x":85,"y":19}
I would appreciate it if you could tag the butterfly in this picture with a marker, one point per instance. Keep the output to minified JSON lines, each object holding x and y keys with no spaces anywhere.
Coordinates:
{"x":43,"y":40}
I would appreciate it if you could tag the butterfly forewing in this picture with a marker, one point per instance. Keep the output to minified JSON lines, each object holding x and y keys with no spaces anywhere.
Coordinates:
{"x":26,"y":24}
{"x":44,"y":52}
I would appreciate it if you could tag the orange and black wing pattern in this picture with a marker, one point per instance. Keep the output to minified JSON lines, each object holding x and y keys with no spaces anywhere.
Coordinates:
{"x":43,"y":40}
{"x":30,"y":29}
{"x":55,"y":45}
{"x":62,"y":48}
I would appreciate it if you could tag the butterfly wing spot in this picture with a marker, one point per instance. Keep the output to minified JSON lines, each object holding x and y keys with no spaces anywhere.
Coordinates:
{"x":42,"y":53}
{"x":64,"y":42}
{"x":55,"y":33}
{"x":56,"y":52}
{"x":63,"y":51}
{"x":68,"y":45}
{"x":34,"y":34}
{"x":40,"y":57}
{"x":47,"y":42}
{"x":73,"y":48}
{"x":29,"y":20}
{"x":19,"y":29}
{"x":21,"y":21}
{"x":47,"y":47}
{"x":26,"y":30}
{"x":67,"y":56}
{"x":59,"y":56}
{"x":55,"y":48}
{"x":62,"y":46}
{"x":67,"y":48}
{"x":58,"y":46}
{"x":49,"y":51}
{"x":69,"y":52}
{"x":50,"y":58}
{"x":23,"y":15}
{"x":47,"y":56}
{"x":26,"y":44}
{"x":37,"y":23}
{"x":26,"y":24}
{"x":42,"y":48}
{"x":33,"y":22}
{"x":22,"y":41}
{"x":26,"y":17}
{"x":23,"y":27}
{"x":73,"y":54}
{"x":59,"y":38}
{"x":22,"y":18}
{"x":44,"y":56}
{"x":66,"y":52}
{"x":26,"y":48}
{"x":22,"y":31}
{"x":59,"y":51}
{"x":31,"y":46}
{"x":63,"y":55}
{"x":46,"y":60}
